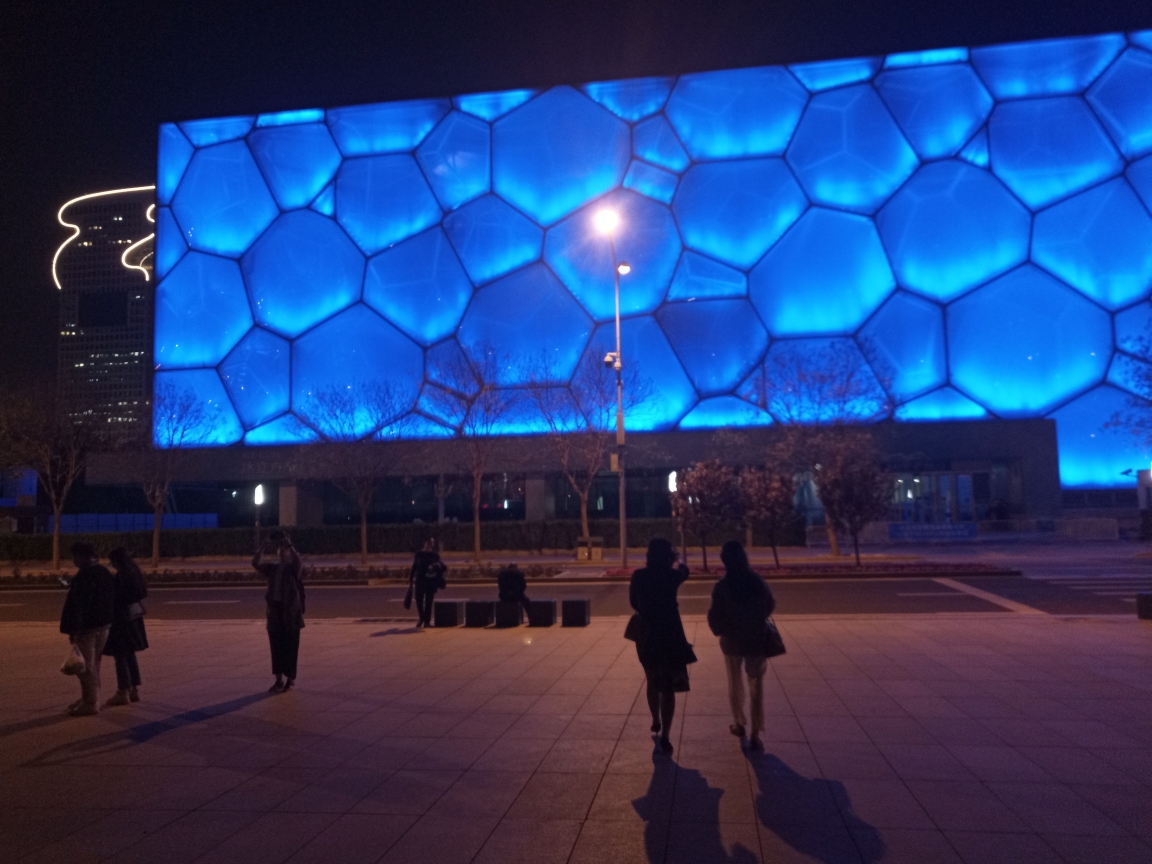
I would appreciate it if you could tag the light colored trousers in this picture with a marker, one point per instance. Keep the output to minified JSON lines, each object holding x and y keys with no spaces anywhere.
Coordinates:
{"x":755,"y":668}
{"x":91,"y":645}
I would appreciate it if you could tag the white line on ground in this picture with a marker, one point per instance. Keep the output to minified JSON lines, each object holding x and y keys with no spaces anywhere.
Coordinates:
{"x":930,"y":594}
{"x":988,"y":596}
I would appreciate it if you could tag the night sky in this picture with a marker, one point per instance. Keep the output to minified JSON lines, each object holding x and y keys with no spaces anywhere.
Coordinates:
{"x":83,"y":85}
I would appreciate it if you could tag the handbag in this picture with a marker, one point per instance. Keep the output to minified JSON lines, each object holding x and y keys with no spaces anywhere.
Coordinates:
{"x":773,"y":644}
{"x":74,"y":663}
{"x":408,"y":597}
{"x":438,"y":570}
{"x":136,"y":610}
{"x":635,"y":631}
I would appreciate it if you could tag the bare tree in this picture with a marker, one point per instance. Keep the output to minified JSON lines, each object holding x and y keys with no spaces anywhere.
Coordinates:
{"x":854,"y":488}
{"x":706,"y":500}
{"x":767,"y":494}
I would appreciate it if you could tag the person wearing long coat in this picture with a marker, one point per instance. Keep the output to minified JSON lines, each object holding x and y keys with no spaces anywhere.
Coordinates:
{"x":85,"y":619}
{"x":285,"y":601}
{"x":661,"y":646}
{"x":127,"y":635}
{"x":741,"y":604}
{"x":425,"y":578}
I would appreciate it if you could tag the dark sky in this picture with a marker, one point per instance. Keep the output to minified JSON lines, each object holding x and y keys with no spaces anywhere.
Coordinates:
{"x":83,"y":85}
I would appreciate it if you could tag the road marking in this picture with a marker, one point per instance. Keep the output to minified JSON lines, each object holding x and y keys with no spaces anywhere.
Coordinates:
{"x":930,"y":594}
{"x":197,"y":602}
{"x":995,"y":599}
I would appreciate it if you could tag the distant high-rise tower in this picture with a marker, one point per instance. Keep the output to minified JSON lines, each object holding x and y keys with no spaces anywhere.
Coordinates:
{"x":104,"y":273}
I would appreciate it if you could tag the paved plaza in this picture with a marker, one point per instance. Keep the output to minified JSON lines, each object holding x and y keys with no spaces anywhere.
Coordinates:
{"x":912,"y":738}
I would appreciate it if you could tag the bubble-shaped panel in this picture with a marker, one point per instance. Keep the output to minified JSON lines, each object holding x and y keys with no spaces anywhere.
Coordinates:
{"x":536,"y":328}
{"x":700,"y":278}
{"x":455,"y":159}
{"x":222,"y":203}
{"x":835,"y":73}
{"x":1100,"y":242}
{"x":826,"y":275}
{"x":174,"y":155}
{"x":644,"y":349}
{"x":1134,"y":329}
{"x":1123,"y":98}
{"x":1140,"y":176}
{"x":737,"y":112}
{"x":297,"y":161}
{"x":204,"y":133}
{"x":388,"y":127}
{"x":1025,"y":342}
{"x":381,"y":200}
{"x":655,"y":142}
{"x":557,"y":153}
{"x":220,"y":426}
{"x":287,"y":429}
{"x":302,"y":270}
{"x":722,"y":412}
{"x":1130,"y":374}
{"x":943,"y":404}
{"x":976,"y":150}
{"x":735,"y":211}
{"x":931,"y":57}
{"x":904,"y":342}
{"x":1046,"y":149}
{"x":170,"y":245}
{"x":325,"y":202}
{"x":492,"y":238}
{"x":952,"y":227}
{"x":1143,"y":38}
{"x":632,"y":99}
{"x":649,"y":180}
{"x":490,"y":106}
{"x":938,"y":107}
{"x":256,"y":374}
{"x":1045,"y":67}
{"x":582,"y":256}
{"x":201,"y":312}
{"x":1091,"y":455}
{"x":356,"y":351}
{"x":290,"y":118}
{"x":419,"y":286}
{"x":447,"y":366}
{"x":419,"y":426}
{"x":717,"y":341}
{"x":848,"y":151}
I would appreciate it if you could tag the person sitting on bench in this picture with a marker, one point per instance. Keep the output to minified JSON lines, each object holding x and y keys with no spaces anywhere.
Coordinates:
{"x":512,"y":585}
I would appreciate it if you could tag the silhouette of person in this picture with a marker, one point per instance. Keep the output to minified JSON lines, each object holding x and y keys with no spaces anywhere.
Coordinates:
{"x":513,"y":586}
{"x":426,"y":576}
{"x":285,"y":599}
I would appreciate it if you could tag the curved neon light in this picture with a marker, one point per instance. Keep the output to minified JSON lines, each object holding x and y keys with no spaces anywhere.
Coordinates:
{"x":140,"y":266}
{"x":76,"y":228}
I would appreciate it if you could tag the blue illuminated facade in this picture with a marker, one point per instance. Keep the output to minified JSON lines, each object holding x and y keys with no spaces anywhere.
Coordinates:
{"x":976,"y":224}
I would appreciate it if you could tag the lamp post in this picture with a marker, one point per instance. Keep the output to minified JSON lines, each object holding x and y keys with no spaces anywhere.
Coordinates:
{"x":607,"y":221}
{"x":258,"y":500}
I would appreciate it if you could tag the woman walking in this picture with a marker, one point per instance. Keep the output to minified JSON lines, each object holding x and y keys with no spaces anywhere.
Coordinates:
{"x":656,"y":627}
{"x":127,"y":635}
{"x":285,"y":599}
{"x":426,"y":578}
{"x":741,"y":604}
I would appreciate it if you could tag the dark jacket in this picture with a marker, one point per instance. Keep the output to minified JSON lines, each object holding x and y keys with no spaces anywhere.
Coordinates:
{"x":90,"y":602}
{"x":285,"y":594}
{"x":511,"y":584}
{"x":424,"y":568}
{"x":741,"y":604}
{"x":661,"y":641}
{"x":127,"y":633}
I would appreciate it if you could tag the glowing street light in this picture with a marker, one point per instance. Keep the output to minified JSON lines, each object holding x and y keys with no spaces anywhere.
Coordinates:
{"x":606,"y":220}
{"x":258,"y":500}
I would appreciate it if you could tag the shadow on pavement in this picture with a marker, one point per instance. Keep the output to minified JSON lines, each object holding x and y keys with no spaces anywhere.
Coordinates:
{"x":396,"y":631}
{"x":34,"y":723}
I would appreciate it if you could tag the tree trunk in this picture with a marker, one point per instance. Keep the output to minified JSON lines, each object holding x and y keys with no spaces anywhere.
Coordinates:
{"x":477,"y":481}
{"x":363,"y":535}
{"x":704,"y":551}
{"x":856,"y":545}
{"x":439,"y":509}
{"x":158,"y":516}
{"x":772,"y":537}
{"x":833,"y":540}
{"x":56,"y":513}
{"x":585,"y":531}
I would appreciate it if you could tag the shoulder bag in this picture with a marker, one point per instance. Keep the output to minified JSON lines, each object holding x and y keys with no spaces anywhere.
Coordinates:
{"x":773,"y":644}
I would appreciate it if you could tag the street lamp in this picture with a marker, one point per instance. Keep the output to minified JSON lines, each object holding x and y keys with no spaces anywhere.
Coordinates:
{"x":258,"y":500}
{"x":607,"y":221}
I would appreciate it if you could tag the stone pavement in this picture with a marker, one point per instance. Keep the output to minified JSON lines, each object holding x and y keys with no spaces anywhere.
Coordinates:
{"x":974,"y":738}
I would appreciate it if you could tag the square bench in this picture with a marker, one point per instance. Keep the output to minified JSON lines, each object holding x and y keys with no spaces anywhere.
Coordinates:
{"x":1144,"y":606}
{"x":478,"y":613}
{"x":575,"y":612}
{"x":447,"y":613}
{"x":509,"y":614}
{"x":541,"y":613}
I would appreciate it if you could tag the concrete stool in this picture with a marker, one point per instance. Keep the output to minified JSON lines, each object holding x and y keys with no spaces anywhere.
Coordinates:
{"x":1144,"y":606}
{"x":541,"y":613}
{"x":509,"y":614}
{"x":478,"y":613}
{"x":576,"y":612}
{"x":447,"y":613}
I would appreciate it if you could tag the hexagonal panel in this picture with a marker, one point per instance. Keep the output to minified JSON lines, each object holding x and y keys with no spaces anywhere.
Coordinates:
{"x":492,"y":239}
{"x":646,"y":354}
{"x":700,"y":278}
{"x":975,"y":151}
{"x":656,"y":183}
{"x":1134,"y":329}
{"x":952,"y":227}
{"x":1140,"y":176}
{"x":383,"y":199}
{"x":534,"y":326}
{"x":1047,"y":149}
{"x":1131,"y":374}
{"x":388,"y":127}
{"x":302,"y":270}
{"x":325,"y":202}
{"x":848,"y":151}
{"x":175,"y":153}
{"x":835,"y":73}
{"x":717,"y":341}
{"x":447,"y":366}
{"x":904,"y":343}
{"x":735,"y":211}
{"x":633,"y":99}
{"x":216,"y":130}
{"x":1045,"y":67}
{"x":290,"y":118}
{"x":222,"y":203}
{"x":297,"y":161}
{"x":170,"y":245}
{"x":1090,"y":455}
{"x":220,"y":426}
{"x":455,"y":159}
{"x":1025,"y":342}
{"x":419,"y":286}
{"x":582,"y":256}
{"x":943,"y":404}
{"x":356,"y":351}
{"x":1122,"y":98}
{"x":421,"y":427}
{"x":737,"y":112}
{"x":826,"y":275}
{"x":557,"y":153}
{"x":256,"y":375}
{"x":1099,"y":242}
{"x":288,"y":429}
{"x":489,"y":106}
{"x":931,"y":57}
{"x":939,"y":108}
{"x":1143,"y":38}
{"x":201,"y":312}
{"x":655,"y":142}
{"x":722,"y":412}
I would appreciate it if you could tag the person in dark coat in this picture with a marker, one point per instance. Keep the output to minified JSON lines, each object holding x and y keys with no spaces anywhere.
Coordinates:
{"x":425,"y":578}
{"x":661,"y":645}
{"x":127,"y":635}
{"x":285,"y":600}
{"x":741,"y":604}
{"x":513,"y":587}
{"x":85,"y":618}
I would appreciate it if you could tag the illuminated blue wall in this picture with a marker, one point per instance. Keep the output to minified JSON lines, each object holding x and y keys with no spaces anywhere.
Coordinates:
{"x":977,"y":221}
